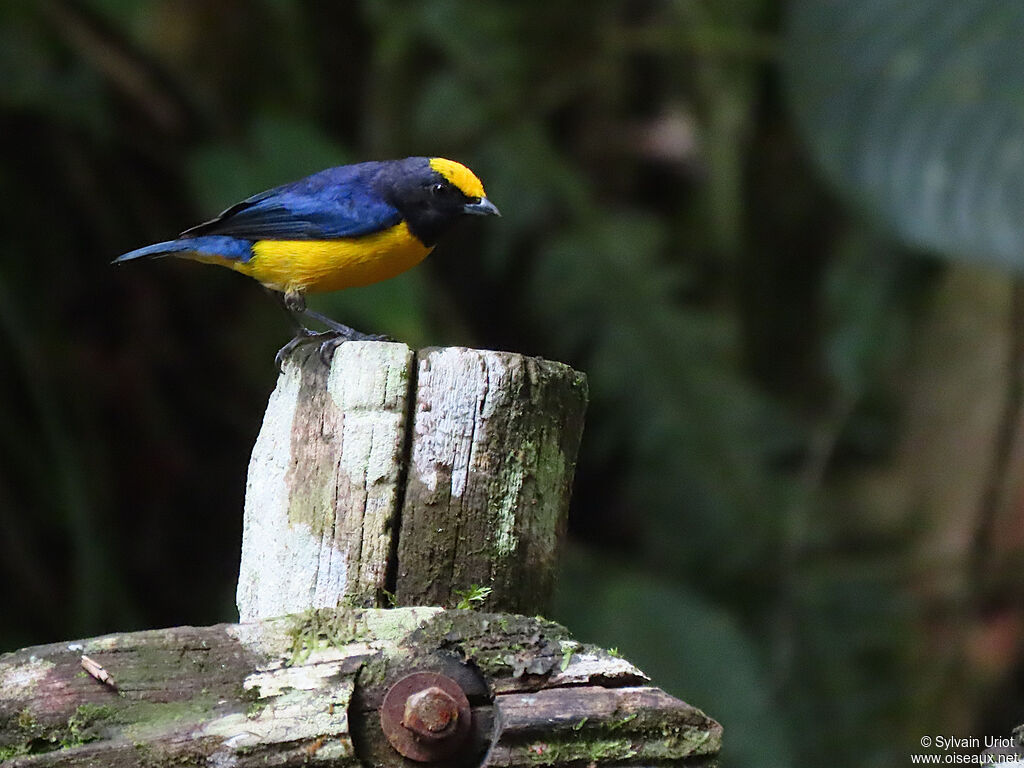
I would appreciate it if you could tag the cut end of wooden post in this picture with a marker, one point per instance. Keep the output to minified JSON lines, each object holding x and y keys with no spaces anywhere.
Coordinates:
{"x":416,"y":479}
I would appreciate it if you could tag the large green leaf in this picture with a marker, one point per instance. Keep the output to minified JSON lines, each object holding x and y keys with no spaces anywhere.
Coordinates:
{"x":916,"y":111}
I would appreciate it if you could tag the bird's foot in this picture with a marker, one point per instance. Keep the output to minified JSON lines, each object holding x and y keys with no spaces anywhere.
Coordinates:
{"x":328,"y":341}
{"x":303,"y":337}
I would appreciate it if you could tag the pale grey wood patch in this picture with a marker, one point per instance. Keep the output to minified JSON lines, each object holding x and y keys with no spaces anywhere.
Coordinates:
{"x":323,"y":483}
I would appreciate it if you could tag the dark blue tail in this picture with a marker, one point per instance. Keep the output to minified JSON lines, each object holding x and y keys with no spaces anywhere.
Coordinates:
{"x":212,"y":245}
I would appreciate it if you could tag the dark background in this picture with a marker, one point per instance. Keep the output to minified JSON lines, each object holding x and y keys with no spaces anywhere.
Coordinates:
{"x":797,"y":504}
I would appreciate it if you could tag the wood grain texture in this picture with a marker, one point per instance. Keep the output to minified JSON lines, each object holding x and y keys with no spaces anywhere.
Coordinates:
{"x":494,"y":444}
{"x":324,"y":482}
{"x":305,"y":689}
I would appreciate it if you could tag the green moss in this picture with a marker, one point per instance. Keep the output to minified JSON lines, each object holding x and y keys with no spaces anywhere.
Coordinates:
{"x":144,"y":751}
{"x":575,"y":747}
{"x":9,"y":753}
{"x":495,"y":643}
{"x":500,"y":631}
{"x":472,"y":598}
{"x":580,"y":750}
{"x":313,"y":629}
{"x":316,"y":629}
{"x":614,"y":726}
{"x":567,"y":655}
{"x":85,"y":724}
{"x":648,"y":737}
{"x":692,"y":740}
{"x":149,"y":716}
{"x":614,"y":749}
{"x":254,"y":704}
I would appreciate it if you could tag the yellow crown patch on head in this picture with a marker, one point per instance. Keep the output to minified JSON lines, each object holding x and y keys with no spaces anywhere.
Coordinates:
{"x":459,"y":175}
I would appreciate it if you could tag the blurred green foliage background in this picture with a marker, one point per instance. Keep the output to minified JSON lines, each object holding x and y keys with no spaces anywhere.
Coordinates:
{"x":798,"y":501}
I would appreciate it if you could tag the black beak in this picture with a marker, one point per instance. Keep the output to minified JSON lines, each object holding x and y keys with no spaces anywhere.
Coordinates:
{"x":481,"y":207}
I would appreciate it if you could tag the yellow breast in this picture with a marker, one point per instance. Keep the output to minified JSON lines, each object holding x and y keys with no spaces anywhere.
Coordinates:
{"x":316,"y":266}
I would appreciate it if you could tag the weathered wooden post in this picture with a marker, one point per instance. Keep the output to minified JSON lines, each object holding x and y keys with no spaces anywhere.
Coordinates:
{"x":466,"y":455}
{"x":386,"y":479}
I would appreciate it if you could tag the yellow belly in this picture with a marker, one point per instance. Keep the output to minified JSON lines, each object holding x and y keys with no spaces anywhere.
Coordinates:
{"x":316,"y":266}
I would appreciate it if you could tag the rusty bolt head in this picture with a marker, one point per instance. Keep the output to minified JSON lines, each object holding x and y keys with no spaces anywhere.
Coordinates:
{"x":431,"y":714}
{"x":425,"y":716}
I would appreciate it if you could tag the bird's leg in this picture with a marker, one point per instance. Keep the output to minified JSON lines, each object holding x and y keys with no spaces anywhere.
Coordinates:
{"x":294,"y":302}
{"x":336,"y":333}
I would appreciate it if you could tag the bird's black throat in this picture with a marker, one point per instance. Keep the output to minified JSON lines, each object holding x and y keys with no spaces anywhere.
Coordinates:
{"x":428,"y":226}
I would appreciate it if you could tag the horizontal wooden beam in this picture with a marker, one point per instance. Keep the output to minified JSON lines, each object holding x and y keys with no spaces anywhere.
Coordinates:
{"x":307,"y":689}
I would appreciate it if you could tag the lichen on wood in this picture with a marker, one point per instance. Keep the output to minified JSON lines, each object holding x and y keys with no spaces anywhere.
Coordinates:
{"x":494,"y":443}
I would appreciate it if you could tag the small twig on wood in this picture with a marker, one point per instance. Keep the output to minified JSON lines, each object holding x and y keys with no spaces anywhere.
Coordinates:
{"x":97,"y":671}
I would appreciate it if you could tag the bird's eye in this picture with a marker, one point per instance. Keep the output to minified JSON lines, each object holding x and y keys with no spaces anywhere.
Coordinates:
{"x":437,"y":189}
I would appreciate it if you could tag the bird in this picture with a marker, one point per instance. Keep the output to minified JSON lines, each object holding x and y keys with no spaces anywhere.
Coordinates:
{"x":340,"y":228}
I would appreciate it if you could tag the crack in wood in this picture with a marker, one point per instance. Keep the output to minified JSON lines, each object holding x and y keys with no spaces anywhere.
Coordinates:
{"x":405,"y":460}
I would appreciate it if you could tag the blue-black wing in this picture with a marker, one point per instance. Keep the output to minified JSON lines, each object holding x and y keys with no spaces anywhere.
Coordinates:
{"x":337,"y":202}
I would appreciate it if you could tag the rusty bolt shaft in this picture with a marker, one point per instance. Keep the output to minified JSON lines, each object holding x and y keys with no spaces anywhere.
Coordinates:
{"x":431,"y":714}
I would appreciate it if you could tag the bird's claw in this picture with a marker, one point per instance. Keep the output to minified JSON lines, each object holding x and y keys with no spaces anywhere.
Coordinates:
{"x":285,"y":352}
{"x":302,"y":337}
{"x":327,"y":347}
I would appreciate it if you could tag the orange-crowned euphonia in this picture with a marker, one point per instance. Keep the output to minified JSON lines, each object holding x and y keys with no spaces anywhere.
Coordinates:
{"x":342,"y":227}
